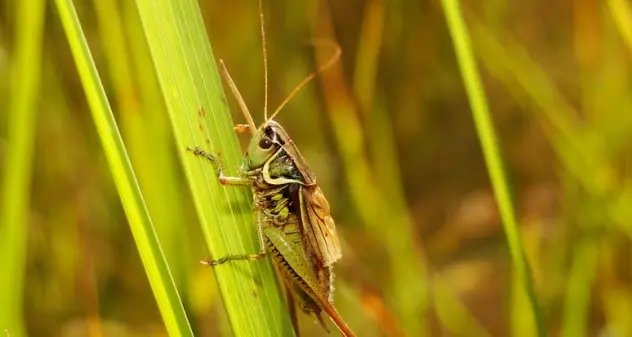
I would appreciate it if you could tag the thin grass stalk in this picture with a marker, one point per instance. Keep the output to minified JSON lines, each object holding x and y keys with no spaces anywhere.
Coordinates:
{"x":491,"y":152}
{"x":16,"y":178}
{"x":576,"y":315}
{"x":151,"y":254}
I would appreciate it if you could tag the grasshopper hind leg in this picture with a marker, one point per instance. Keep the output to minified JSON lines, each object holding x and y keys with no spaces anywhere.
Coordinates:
{"x":308,"y":305}
{"x":236,"y":257}
{"x":244,"y":257}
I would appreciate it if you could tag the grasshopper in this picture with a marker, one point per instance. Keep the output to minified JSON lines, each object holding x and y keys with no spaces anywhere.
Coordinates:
{"x":293,"y":217}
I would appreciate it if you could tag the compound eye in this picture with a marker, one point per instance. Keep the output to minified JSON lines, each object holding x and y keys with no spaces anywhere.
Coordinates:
{"x":265,"y":143}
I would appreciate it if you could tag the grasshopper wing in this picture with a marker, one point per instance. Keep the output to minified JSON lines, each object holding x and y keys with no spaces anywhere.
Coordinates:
{"x":318,"y":225}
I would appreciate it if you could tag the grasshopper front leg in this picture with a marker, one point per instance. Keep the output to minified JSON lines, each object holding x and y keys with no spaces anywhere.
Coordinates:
{"x":224,"y":180}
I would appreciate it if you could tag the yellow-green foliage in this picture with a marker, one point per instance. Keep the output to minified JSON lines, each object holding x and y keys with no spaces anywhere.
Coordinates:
{"x":476,"y":156}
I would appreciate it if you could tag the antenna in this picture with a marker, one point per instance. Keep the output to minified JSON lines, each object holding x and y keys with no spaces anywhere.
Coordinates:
{"x":240,"y":100}
{"x":311,"y":76}
{"x":265,"y":61}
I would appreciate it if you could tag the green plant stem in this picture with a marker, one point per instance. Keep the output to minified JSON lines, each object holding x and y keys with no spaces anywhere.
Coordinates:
{"x":578,"y":290}
{"x":16,"y":180}
{"x":491,"y":151}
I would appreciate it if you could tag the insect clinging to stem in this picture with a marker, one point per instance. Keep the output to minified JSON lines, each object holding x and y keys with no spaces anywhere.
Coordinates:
{"x":293,"y":217}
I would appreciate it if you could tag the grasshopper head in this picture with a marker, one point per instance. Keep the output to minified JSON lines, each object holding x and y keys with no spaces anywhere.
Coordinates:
{"x":265,"y":142}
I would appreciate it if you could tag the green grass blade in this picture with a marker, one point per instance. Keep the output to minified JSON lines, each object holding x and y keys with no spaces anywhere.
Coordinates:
{"x":577,"y":304}
{"x":491,"y":151}
{"x":16,"y":179}
{"x":149,"y":248}
{"x":195,"y":101}
{"x":144,"y":123}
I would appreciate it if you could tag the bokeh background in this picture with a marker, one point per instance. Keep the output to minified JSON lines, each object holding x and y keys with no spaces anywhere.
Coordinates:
{"x":390,"y":134}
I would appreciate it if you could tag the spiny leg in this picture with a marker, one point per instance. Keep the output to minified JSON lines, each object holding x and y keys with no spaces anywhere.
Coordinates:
{"x":236,"y":257}
{"x":247,"y":257}
{"x":217,"y":163}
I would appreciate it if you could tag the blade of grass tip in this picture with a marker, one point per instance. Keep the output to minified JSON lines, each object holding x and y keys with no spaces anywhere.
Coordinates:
{"x":195,"y":101}
{"x":491,"y":151}
{"x":16,"y":181}
{"x":153,"y":259}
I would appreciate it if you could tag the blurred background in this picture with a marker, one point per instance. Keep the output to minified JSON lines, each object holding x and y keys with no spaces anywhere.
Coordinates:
{"x":390,"y":136}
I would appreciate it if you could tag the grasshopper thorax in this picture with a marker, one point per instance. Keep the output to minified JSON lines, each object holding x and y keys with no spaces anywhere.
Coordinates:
{"x":274,"y":159}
